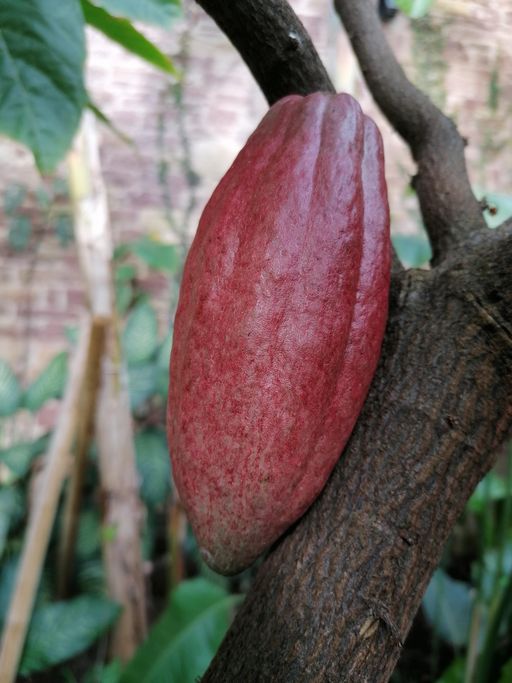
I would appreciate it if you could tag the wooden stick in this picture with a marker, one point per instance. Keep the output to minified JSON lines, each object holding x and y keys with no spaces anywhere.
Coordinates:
{"x":83,"y":439}
{"x":122,"y":509}
{"x":43,"y":516}
{"x":122,"y":512}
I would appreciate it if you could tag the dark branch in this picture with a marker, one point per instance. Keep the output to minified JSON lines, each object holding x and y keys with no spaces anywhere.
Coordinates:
{"x":450,"y":210}
{"x":274,"y":45}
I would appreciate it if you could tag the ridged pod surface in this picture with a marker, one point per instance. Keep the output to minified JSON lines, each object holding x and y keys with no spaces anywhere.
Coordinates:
{"x":279,"y":324}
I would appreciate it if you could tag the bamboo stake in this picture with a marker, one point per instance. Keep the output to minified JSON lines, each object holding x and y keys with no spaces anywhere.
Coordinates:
{"x":43,"y":514}
{"x":84,"y":435}
{"x":122,"y":510}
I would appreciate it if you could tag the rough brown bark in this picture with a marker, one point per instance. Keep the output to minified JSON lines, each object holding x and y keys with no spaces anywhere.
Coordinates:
{"x":336,"y":597}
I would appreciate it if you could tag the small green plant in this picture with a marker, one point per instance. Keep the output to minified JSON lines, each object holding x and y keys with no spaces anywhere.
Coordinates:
{"x":32,"y":213}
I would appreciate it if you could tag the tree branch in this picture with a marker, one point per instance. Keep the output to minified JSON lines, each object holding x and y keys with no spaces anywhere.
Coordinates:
{"x":273,"y":43}
{"x":449,"y":208}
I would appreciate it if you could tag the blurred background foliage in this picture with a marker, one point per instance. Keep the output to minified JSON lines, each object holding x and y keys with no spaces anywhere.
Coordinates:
{"x":463,"y":633}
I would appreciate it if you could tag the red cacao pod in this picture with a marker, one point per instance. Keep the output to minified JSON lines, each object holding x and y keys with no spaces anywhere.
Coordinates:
{"x":279,"y":325}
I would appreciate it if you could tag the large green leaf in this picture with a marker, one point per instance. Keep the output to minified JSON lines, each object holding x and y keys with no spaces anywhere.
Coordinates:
{"x":447,"y":605}
{"x":122,"y":32}
{"x":158,"y":12}
{"x":184,"y":640}
{"x":140,"y":335}
{"x":49,"y":384}
{"x":10,"y":390}
{"x":153,"y":465}
{"x":63,"y":629}
{"x":42,"y":94}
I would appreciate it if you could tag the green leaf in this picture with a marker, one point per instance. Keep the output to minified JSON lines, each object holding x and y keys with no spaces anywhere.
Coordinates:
{"x":506,"y":673}
{"x":49,"y":384}
{"x":71,"y":332}
{"x":454,"y":673}
{"x":184,"y":640}
{"x":493,"y":99}
{"x":43,"y":198}
{"x":18,"y":457}
{"x":496,"y":565}
{"x":143,"y":383}
{"x":122,"y":32}
{"x":121,"y":251}
{"x":112,"y":672}
{"x":502,"y":203}
{"x":42,"y":94}
{"x":12,"y":508}
{"x":140,"y":335}
{"x":415,"y":8}
{"x":20,"y":232}
{"x":125,"y":272}
{"x":447,"y":604}
{"x":14,"y":197}
{"x":490,"y":489}
{"x":162,"y":359}
{"x":10,"y":390}
{"x":413,"y":250}
{"x":63,"y":225}
{"x":164,"y":353}
{"x":124,"y":296}
{"x":60,"y":631}
{"x":158,"y":255}
{"x":8,"y":572}
{"x":88,"y":542}
{"x":99,"y":673}
{"x":158,"y":12}
{"x":90,"y":577}
{"x":153,"y":465}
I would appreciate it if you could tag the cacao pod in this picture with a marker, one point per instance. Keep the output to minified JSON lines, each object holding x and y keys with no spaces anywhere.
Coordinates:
{"x":279,"y":324}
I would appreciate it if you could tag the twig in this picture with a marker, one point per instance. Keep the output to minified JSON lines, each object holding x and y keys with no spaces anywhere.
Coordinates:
{"x":41,"y":521}
{"x":274,"y":45}
{"x":450,"y":210}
